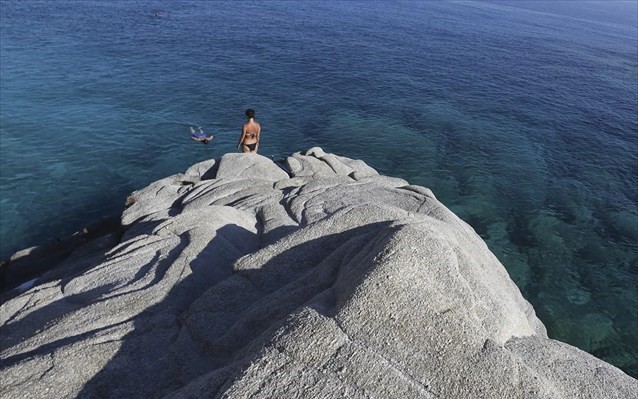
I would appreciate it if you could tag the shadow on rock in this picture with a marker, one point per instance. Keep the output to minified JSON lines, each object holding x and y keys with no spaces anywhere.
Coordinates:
{"x":207,"y":321}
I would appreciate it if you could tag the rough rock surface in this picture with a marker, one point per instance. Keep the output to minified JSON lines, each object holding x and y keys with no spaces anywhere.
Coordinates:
{"x":241,"y":279}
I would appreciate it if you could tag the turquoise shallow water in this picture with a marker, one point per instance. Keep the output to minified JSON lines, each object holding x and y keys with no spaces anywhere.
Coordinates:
{"x":520,"y":116}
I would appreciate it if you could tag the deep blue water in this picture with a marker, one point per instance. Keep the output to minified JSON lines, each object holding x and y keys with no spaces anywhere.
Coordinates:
{"x":520,"y":116}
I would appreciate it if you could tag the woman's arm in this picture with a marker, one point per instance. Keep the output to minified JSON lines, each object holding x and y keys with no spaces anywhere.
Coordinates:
{"x":243,"y":134}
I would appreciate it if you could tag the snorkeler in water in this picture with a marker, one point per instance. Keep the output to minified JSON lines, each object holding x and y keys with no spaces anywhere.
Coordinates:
{"x":200,"y":136}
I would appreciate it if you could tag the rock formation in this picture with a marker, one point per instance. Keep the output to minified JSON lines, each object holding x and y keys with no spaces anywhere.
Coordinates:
{"x":316,"y":278}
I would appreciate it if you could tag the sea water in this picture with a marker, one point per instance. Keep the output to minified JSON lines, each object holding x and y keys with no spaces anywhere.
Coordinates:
{"x":520,"y":116}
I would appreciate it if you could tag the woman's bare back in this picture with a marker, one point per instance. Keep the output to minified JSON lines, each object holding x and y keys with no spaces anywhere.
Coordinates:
{"x":250,"y":132}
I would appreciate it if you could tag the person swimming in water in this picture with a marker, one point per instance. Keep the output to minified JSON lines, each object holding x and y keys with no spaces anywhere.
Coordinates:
{"x":200,"y":136}
{"x":250,"y":133}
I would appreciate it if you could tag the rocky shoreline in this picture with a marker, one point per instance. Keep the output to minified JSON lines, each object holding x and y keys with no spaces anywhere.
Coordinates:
{"x":27,"y":264}
{"x":316,"y":277}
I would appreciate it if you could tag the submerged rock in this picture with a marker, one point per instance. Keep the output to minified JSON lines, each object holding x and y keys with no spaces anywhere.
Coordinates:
{"x":324,"y":280}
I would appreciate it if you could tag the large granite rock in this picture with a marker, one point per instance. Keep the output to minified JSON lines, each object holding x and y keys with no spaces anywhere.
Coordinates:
{"x":320,"y":279}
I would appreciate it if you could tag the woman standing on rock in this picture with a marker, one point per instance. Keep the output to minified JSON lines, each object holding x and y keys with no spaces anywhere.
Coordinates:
{"x":249,"y":139}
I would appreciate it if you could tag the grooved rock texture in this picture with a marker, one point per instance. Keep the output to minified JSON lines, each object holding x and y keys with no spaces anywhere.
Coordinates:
{"x":316,"y":278}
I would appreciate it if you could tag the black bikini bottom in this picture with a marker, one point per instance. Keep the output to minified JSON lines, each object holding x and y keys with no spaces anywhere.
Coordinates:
{"x":251,"y":146}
